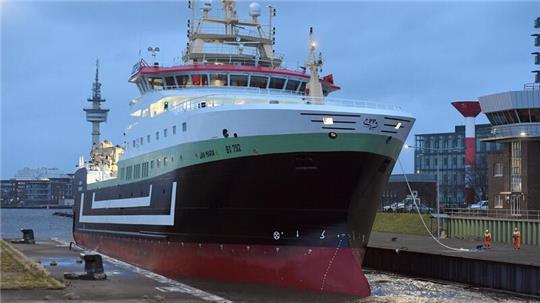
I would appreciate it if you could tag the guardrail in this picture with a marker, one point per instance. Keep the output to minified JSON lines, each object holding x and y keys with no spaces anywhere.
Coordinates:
{"x":212,"y":100}
{"x":493,"y":213}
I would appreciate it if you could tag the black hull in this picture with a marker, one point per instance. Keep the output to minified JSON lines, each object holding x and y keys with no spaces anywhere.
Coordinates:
{"x":316,"y":199}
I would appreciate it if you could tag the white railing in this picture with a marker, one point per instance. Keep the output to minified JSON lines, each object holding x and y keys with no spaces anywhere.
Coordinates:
{"x":213,"y":100}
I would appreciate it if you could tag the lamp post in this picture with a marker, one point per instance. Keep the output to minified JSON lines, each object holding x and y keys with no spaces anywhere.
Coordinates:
{"x":438,"y":150}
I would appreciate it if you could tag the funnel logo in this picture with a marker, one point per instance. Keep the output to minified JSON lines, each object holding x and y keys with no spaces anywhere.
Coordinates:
{"x":371,"y":123}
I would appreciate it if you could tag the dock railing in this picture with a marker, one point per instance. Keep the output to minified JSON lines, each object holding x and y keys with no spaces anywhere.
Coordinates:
{"x":493,"y":213}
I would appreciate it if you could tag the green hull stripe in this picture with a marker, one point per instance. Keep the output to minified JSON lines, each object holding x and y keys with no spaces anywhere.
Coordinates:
{"x":187,"y":154}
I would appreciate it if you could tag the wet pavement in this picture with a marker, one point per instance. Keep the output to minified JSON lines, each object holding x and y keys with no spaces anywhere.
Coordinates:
{"x":127,"y":283}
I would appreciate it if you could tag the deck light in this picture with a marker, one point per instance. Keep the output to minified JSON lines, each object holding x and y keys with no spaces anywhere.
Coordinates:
{"x":398,"y":126}
{"x":328,"y":120}
{"x":523,"y":134}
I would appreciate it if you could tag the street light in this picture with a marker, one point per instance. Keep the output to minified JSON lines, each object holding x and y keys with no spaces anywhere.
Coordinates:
{"x":438,"y":150}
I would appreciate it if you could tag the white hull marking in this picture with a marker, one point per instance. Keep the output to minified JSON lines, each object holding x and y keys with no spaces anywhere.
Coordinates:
{"x":167,"y":220}
{"x":125,"y":203}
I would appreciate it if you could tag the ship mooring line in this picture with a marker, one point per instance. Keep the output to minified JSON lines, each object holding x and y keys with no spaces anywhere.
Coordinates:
{"x":173,"y":285}
{"x":422,"y":218}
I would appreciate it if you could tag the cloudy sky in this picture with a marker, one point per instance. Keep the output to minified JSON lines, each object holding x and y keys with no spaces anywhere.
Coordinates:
{"x":420,"y":55}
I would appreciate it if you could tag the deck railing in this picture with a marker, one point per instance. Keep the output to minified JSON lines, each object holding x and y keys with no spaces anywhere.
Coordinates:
{"x":493,"y":213}
{"x":213,"y":100}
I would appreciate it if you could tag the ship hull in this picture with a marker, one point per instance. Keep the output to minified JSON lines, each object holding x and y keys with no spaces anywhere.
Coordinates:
{"x":327,"y":269}
{"x":293,"y":219}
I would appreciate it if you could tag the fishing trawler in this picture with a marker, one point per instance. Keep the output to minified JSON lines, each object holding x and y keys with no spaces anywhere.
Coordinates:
{"x":238,"y":169}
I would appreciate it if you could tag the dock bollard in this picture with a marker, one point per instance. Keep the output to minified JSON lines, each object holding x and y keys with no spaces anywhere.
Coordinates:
{"x":93,"y":267}
{"x":28,"y":237}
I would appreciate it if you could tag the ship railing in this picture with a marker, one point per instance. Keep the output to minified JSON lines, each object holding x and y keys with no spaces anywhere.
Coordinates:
{"x":214,"y":100}
{"x":494,"y":213}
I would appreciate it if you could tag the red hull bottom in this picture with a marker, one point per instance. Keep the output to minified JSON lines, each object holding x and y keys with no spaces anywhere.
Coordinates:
{"x":323,"y":269}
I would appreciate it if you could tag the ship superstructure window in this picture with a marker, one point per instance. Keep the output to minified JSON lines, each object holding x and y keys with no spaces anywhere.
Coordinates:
{"x":238,"y":80}
{"x":258,"y":81}
{"x":158,"y":163}
{"x":302,"y":88}
{"x":157,"y":135}
{"x":218,"y":79}
{"x":169,"y":82}
{"x":199,"y":80}
{"x":184,"y":126}
{"x":141,"y":140}
{"x":136,"y":171}
{"x":292,"y":85}
{"x":122,"y":173}
{"x":134,"y":143}
{"x":174,"y":129}
{"x":129,"y":170}
{"x":151,"y":164}
{"x":276,"y":83}
{"x":165,"y":133}
{"x":155,"y":82}
{"x":183,"y":80}
{"x":144,"y":171}
{"x":165,"y":161}
{"x":148,"y":138}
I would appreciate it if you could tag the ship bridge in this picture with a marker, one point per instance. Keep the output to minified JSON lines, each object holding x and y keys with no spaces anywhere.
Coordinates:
{"x":224,"y":51}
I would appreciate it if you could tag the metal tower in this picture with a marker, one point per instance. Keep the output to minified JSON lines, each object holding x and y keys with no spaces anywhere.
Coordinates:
{"x":96,"y":114}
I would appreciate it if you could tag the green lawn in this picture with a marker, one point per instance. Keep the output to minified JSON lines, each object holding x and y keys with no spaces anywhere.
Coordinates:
{"x":403,"y":223}
{"x":18,"y":271}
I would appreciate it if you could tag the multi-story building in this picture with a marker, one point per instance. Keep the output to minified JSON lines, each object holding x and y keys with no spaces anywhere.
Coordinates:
{"x":443,"y":155}
{"x":41,"y":186}
{"x":514,"y":172}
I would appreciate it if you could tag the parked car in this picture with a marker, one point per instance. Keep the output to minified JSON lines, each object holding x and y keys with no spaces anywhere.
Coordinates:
{"x":390,"y":208}
{"x":479,"y":205}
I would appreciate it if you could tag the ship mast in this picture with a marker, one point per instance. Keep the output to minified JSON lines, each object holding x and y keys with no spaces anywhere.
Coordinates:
{"x":96,"y":114}
{"x":314,"y":63}
{"x":226,"y":39}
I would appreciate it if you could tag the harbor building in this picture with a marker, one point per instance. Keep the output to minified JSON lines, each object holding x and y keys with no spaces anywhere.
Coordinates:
{"x":443,"y":154}
{"x":34,"y":187}
{"x":514,"y":172}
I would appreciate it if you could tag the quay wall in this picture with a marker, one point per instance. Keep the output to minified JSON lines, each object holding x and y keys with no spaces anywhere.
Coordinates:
{"x":472,"y":228}
{"x":519,"y":278}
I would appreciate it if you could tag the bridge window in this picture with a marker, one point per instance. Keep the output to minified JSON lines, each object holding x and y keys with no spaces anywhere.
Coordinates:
{"x":183,"y":80}
{"x":218,"y":79}
{"x":169,"y":81}
{"x":258,"y":81}
{"x":276,"y":83}
{"x":199,"y":80}
{"x":155,"y":83}
{"x":302,"y":87}
{"x":238,"y":80}
{"x":292,"y":85}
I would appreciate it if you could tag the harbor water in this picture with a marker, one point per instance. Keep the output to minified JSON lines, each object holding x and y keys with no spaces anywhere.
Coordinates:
{"x":385,"y":287}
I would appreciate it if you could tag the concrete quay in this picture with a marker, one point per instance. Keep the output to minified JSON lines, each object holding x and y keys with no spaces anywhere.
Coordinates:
{"x":500,"y":268}
{"x":127,"y":283}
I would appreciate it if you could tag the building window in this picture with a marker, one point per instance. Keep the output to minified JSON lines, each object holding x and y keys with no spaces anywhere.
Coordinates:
{"x":498,"y":201}
{"x":184,"y":126}
{"x":515,"y":169}
{"x":174,"y":130}
{"x":498,"y":170}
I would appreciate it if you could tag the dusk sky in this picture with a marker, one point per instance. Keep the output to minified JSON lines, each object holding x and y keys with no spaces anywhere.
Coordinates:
{"x":418,"y":55}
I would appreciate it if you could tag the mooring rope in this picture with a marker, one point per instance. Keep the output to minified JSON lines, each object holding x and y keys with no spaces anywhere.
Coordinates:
{"x":330,"y":264}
